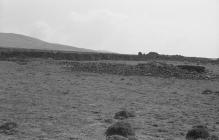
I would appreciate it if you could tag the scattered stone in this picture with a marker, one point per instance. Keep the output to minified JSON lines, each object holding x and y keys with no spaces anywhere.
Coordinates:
{"x":65,"y":92}
{"x":207,"y":91}
{"x":95,"y":112}
{"x":162,"y":130}
{"x":155,"y":125}
{"x":122,"y":128}
{"x":122,"y":79}
{"x":21,"y":61}
{"x":124,"y":114}
{"x":8,"y":128}
{"x":181,"y":133}
{"x":200,"y":126}
{"x":108,"y":121}
{"x":132,"y":138}
{"x":74,"y":138}
{"x":213,"y":137}
{"x":118,"y":137}
{"x":197,"y":132}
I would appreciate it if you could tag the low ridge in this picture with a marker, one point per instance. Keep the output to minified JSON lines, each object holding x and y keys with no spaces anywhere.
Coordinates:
{"x":11,"y":40}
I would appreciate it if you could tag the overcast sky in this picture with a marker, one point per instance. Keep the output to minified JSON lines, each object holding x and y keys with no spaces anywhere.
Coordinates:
{"x":186,"y":27}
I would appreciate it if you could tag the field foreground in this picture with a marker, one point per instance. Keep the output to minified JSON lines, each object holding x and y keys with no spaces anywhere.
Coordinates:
{"x":49,"y":102}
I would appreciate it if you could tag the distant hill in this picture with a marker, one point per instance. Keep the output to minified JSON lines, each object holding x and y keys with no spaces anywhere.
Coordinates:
{"x":11,"y":40}
{"x":21,"y":46}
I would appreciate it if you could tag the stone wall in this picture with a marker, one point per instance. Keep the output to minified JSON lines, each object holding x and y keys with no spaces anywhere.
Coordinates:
{"x":145,"y":69}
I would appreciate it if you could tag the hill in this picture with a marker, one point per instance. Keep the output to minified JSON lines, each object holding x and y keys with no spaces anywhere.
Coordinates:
{"x":20,"y":46}
{"x":11,"y":40}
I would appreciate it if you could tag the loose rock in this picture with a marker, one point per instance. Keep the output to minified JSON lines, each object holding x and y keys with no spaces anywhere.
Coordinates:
{"x":124,"y":114}
{"x":207,"y":91}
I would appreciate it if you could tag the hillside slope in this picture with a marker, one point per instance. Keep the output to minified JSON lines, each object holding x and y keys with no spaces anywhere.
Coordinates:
{"x":12,"y":40}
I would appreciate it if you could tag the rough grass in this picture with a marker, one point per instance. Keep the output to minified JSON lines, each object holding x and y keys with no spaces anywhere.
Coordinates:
{"x":51,"y":103}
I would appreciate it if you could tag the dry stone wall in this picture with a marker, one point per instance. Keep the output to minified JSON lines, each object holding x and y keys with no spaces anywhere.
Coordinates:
{"x":145,"y":69}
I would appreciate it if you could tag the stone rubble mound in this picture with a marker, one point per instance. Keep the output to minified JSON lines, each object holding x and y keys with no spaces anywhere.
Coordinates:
{"x":145,"y":69}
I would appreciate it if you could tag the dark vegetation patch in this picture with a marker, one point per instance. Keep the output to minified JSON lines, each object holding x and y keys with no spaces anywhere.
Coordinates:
{"x":121,"y":128}
{"x":6,"y":53}
{"x":192,"y":68}
{"x":8,"y":128}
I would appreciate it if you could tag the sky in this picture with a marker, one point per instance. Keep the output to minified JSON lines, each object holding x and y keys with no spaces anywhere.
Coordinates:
{"x":184,"y":27}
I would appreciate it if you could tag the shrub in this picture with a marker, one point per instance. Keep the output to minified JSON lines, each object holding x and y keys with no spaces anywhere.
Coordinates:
{"x":140,"y":53}
{"x":152,"y":55}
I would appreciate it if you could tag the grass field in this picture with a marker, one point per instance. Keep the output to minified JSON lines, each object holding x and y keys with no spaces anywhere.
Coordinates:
{"x":51,"y":103}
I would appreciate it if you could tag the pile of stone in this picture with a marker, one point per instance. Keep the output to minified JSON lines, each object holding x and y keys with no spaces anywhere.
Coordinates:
{"x":200,"y":132}
{"x":146,"y":69}
{"x":122,"y":129}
